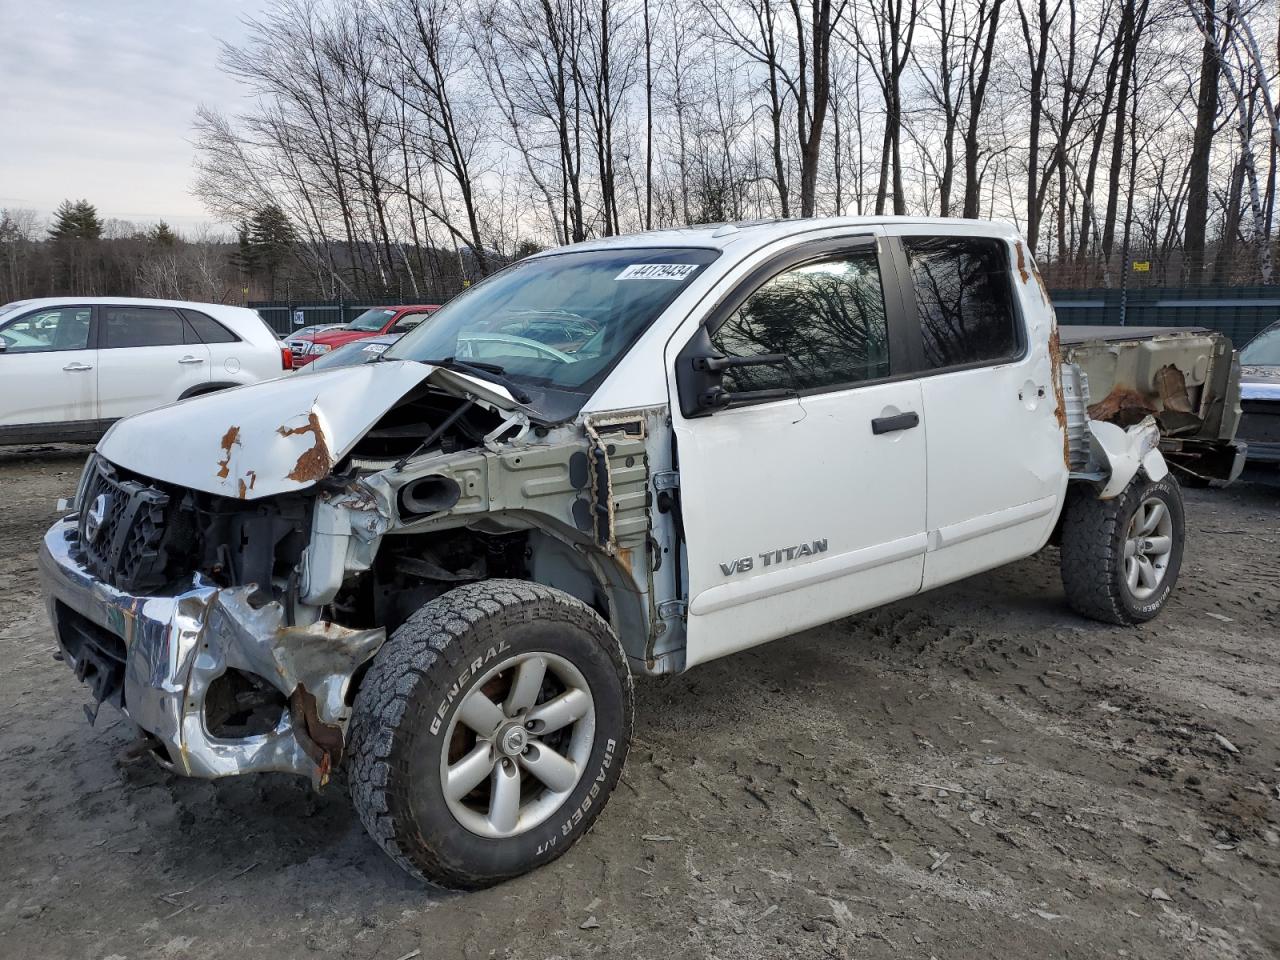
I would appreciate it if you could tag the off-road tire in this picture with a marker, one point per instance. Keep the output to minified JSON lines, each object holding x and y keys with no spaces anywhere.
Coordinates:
{"x":412,"y":691}
{"x":1093,"y":551}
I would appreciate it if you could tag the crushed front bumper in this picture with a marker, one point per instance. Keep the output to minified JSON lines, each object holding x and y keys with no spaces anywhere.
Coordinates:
{"x":156,"y":658}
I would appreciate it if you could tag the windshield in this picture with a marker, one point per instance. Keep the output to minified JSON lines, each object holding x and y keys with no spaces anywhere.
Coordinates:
{"x":557,"y":324}
{"x":349,"y":354}
{"x":371,"y":320}
{"x":1263,"y":350}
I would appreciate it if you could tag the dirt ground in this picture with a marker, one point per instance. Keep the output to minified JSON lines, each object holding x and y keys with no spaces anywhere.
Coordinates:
{"x":974,"y":773}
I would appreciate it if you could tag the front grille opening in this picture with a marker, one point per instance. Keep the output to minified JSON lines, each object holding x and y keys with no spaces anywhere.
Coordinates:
{"x":240,"y":704}
{"x":121,"y":527}
{"x":99,"y":655}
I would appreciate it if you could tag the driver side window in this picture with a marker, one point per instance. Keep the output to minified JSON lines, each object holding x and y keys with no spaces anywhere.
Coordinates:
{"x":826,"y":316}
{"x":46,"y":331}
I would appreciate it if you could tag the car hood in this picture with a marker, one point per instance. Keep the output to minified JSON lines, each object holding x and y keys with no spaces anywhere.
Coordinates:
{"x":277,"y":436}
{"x":1260,"y":383}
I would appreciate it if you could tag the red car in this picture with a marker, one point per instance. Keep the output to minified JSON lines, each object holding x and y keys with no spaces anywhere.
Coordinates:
{"x":372,"y":323}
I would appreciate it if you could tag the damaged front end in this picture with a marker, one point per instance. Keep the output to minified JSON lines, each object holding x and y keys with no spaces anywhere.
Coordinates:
{"x":226,"y":589}
{"x":218,"y":678}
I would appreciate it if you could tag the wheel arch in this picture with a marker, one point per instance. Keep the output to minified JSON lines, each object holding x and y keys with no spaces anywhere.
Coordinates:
{"x":200,"y":389}
{"x":564,"y":558}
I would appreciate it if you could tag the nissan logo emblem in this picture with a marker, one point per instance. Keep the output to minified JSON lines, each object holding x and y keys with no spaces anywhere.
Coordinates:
{"x":94,"y":517}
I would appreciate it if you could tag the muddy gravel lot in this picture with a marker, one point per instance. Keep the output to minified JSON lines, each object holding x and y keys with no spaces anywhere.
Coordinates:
{"x":973,"y":773}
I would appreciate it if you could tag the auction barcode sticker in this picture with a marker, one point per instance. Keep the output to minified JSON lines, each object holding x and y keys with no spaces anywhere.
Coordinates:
{"x":657,"y":271}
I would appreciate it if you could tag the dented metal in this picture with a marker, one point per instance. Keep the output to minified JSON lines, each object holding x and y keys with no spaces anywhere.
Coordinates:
{"x":176,"y":647}
{"x":1187,"y":379}
{"x":279,"y":437}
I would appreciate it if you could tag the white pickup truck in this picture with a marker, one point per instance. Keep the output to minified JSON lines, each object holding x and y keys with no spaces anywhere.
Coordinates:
{"x":441,"y":570}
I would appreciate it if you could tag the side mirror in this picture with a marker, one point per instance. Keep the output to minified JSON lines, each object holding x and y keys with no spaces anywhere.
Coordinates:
{"x":700,"y":377}
{"x":4,"y":344}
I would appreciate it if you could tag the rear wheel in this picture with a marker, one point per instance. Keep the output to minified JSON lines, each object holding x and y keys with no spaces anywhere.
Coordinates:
{"x":1121,"y":557}
{"x":489,"y":732}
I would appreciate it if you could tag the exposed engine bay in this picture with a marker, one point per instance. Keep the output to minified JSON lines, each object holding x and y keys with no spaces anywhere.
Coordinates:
{"x":278,"y":598}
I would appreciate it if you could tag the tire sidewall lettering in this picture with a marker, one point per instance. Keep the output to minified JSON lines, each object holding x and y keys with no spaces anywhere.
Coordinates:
{"x":460,"y":684}
{"x":575,"y":818}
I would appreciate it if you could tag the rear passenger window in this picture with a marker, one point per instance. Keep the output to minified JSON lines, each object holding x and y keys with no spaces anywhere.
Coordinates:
{"x":207,"y":329}
{"x":141,"y":327}
{"x":827,"y":317}
{"x":964,"y":299}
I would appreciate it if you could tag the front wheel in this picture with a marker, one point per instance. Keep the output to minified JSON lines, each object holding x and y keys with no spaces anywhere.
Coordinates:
{"x":1121,"y":557}
{"x":489,"y":732}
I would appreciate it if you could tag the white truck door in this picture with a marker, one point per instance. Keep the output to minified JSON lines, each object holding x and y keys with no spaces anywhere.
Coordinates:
{"x":143,"y":361}
{"x":48,"y":372}
{"x":799,"y":509}
{"x":994,"y":443}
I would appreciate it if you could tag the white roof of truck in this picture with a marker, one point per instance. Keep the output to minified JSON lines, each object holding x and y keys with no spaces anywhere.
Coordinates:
{"x":758,"y":233}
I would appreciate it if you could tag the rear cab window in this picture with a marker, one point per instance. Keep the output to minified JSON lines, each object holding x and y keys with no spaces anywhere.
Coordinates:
{"x":963,"y":292}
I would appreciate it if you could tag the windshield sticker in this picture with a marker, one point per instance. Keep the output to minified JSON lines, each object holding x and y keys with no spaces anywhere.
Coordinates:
{"x":657,"y":271}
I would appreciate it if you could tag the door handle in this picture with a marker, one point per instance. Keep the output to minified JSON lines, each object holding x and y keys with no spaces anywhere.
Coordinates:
{"x":76,"y":367}
{"x":192,"y":360}
{"x":902,"y":421}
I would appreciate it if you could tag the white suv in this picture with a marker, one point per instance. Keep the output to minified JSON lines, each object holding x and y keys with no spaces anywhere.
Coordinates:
{"x":71,"y":366}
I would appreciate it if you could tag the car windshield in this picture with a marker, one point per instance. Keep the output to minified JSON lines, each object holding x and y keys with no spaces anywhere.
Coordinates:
{"x":557,"y":324}
{"x":347,"y":355}
{"x":1263,"y":350}
{"x":371,"y":320}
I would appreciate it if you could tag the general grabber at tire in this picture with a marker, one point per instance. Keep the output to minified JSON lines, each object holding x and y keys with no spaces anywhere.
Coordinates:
{"x":1120,"y":557}
{"x":489,"y":732}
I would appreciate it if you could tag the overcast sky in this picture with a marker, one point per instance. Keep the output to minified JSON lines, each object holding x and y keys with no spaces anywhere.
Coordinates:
{"x":97,"y":99}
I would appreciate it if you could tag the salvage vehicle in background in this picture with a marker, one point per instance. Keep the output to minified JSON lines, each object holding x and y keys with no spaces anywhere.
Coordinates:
{"x":349,"y":354}
{"x":72,"y":366}
{"x":441,"y":572}
{"x":1260,"y":397}
{"x":372,"y":323}
{"x":1188,"y":378}
{"x":299,"y":340}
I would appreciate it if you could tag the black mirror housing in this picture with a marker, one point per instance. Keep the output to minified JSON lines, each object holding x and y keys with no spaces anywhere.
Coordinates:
{"x":700,"y":371}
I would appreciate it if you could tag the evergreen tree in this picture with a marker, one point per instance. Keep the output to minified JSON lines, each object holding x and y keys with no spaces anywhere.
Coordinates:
{"x":162,"y":235}
{"x":244,"y":259}
{"x":269,"y":239}
{"x":76,"y":221}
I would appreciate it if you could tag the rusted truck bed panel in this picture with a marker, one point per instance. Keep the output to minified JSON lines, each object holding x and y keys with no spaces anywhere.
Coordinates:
{"x":1188,"y":377}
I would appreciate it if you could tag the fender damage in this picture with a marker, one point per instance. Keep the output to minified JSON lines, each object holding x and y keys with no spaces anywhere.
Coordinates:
{"x":230,"y":675}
